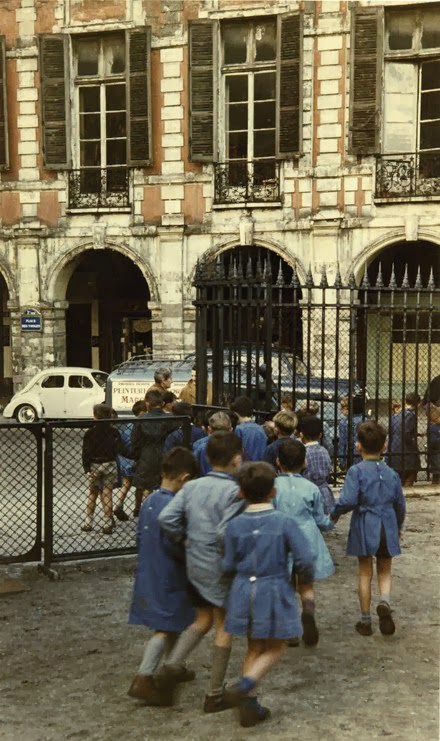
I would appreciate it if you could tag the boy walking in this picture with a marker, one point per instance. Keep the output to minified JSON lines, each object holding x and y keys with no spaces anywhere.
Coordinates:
{"x":252,"y":436}
{"x":160,"y":596}
{"x":195,"y":516}
{"x":373,"y":493}
{"x":218,"y":422}
{"x":285,"y":425}
{"x":101,"y":445}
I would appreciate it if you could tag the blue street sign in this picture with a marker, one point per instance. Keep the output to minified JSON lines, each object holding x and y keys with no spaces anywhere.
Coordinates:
{"x":31,"y":321}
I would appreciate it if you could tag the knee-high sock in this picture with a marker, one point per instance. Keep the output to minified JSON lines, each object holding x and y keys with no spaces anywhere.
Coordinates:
{"x":188,"y":640}
{"x":220,"y":661}
{"x":154,"y":650}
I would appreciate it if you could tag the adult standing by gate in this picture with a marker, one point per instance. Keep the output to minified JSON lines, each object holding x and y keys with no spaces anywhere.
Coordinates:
{"x":188,"y":393}
{"x":163,"y":379}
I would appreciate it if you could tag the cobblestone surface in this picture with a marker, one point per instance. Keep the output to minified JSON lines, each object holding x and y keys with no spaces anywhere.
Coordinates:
{"x":67,"y":657}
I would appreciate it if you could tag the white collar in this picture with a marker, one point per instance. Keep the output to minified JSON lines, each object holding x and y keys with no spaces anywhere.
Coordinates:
{"x":259,"y":507}
{"x":313,"y":442}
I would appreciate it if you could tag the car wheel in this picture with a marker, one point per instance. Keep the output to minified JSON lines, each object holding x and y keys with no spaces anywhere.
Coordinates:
{"x":26,"y":413}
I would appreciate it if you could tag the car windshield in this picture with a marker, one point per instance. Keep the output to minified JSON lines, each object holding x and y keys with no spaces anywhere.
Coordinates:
{"x":100,"y":378}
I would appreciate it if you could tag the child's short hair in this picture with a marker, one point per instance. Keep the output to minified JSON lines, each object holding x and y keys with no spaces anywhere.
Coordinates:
{"x":179,"y":460}
{"x":256,"y":481}
{"x":154,"y":398}
{"x":292,"y":455}
{"x":220,"y":421}
{"x":222,"y":447}
{"x":286,"y":401}
{"x":139,"y":407}
{"x":311,"y":427}
{"x":269,"y":429}
{"x":412,"y":399}
{"x":396,"y":406}
{"x":102,"y":411}
{"x":311,"y":408}
{"x":343,"y":401}
{"x":168,"y":397}
{"x":182,"y":409}
{"x":371,"y":436}
{"x":286,"y":422}
{"x":243,"y":406}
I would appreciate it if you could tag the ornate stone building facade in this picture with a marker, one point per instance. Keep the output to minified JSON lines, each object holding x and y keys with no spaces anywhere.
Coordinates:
{"x":138,"y":136}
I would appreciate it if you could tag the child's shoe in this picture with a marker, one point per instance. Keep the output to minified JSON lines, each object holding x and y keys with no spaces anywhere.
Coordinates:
{"x":365,"y":629}
{"x":294,"y":642}
{"x":251,"y":712}
{"x":87,"y":527}
{"x":120,"y":514}
{"x":143,"y":688}
{"x":108,"y":528}
{"x":311,"y":633}
{"x":185,"y":675}
{"x":216,"y":704}
{"x":168,"y":676}
{"x":386,"y":622}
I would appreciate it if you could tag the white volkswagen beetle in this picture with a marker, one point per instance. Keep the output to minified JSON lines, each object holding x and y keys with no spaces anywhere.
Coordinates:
{"x":58,"y":393}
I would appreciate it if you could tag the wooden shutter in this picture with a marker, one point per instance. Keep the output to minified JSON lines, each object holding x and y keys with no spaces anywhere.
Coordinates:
{"x":289,"y":85}
{"x":139,"y":96}
{"x":201,"y":91}
{"x":366,"y":67}
{"x":4,"y":148}
{"x":54,"y":97}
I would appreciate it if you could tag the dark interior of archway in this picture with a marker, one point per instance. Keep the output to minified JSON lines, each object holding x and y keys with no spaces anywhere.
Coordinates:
{"x":107,"y":297}
{"x":411,"y":254}
{"x":286,"y":320}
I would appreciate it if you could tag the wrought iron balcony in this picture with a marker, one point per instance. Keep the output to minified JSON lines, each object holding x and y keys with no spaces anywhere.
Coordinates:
{"x":240,"y":181}
{"x":408,"y":175}
{"x":99,"y":187}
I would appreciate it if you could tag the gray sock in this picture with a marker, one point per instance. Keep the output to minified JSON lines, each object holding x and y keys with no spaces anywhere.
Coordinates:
{"x":365,"y":617}
{"x":154,"y":650}
{"x":220,"y":661}
{"x":171,"y":641}
{"x":385,"y":598}
{"x":188,"y":640}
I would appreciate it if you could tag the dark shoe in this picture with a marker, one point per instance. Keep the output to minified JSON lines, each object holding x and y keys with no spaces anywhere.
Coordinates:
{"x":185,"y":675}
{"x":365,"y":629}
{"x":311,"y":633}
{"x":293,"y":643}
{"x":107,"y":529}
{"x":215,"y":704}
{"x":386,"y":622}
{"x":143,"y":688}
{"x":86,"y":528}
{"x":120,"y":514}
{"x":168,"y":676}
{"x":234,"y":694}
{"x":251,"y":714}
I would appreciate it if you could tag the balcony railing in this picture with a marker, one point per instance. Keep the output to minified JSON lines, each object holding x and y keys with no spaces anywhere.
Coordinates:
{"x":408,"y":175}
{"x":239,"y":181}
{"x":99,"y":187}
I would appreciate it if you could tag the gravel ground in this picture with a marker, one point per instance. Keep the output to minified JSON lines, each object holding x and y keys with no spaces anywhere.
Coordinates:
{"x":67,"y":657}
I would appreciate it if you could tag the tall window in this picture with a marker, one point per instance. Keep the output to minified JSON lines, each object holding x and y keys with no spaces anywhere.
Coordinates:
{"x":248,"y":136}
{"x":412,"y":86}
{"x":100,"y":90}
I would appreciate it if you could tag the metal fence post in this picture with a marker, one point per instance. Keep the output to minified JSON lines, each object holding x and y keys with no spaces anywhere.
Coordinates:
{"x":48,"y":498}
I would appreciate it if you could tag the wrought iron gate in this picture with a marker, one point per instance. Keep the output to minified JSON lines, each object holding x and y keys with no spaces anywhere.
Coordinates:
{"x":261,"y":333}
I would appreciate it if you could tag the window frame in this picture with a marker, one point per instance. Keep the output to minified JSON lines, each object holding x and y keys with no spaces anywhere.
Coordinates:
{"x":417,"y":50}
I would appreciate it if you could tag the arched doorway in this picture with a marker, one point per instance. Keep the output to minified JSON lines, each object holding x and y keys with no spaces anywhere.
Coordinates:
{"x":107,"y":319}
{"x":248,"y":324}
{"x":5,"y":348}
{"x":399,"y":320}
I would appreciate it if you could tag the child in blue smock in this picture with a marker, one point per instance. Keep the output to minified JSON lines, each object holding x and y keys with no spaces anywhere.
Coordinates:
{"x":160,"y":594}
{"x":261,"y":603}
{"x":403,"y":454}
{"x":126,"y":465}
{"x":373,"y":493}
{"x":318,"y":461}
{"x":252,"y":436}
{"x":344,"y":432}
{"x":194,"y":517}
{"x":301,"y":500}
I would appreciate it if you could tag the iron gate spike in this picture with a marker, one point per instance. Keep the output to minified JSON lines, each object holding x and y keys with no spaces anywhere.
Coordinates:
{"x":365,"y":281}
{"x":431,"y":283}
{"x":294,"y":283}
{"x":379,"y":279}
{"x":324,"y":281}
{"x":249,"y":273}
{"x":309,"y":277}
{"x":393,"y":282}
{"x":240,"y":268}
{"x":418,"y":284}
{"x":405,"y":281}
{"x":351,"y":279}
{"x":280,"y":277}
{"x":338,"y":279}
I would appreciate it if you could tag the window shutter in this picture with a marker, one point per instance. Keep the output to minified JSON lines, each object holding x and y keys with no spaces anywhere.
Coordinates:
{"x":4,"y":149}
{"x":139,"y":97}
{"x":289,"y":85}
{"x":54,"y":97}
{"x":366,"y":66}
{"x":201,"y":95}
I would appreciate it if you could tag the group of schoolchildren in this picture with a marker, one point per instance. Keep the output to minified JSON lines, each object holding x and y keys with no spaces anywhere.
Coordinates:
{"x":232,"y":539}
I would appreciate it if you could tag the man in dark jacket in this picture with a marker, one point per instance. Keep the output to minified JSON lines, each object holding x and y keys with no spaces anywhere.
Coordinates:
{"x":146,"y":444}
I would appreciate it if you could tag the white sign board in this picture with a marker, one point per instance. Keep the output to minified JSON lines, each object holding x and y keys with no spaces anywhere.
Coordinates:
{"x":126,"y":393}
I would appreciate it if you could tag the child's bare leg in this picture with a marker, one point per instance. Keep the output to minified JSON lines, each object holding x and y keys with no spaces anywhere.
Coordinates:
{"x":123,"y":491}
{"x":191,"y":637}
{"x":91,"y":500}
{"x":220,"y":656}
{"x":307,"y":594}
{"x":106,"y":501}
{"x":386,"y":622}
{"x":364,"y":590}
